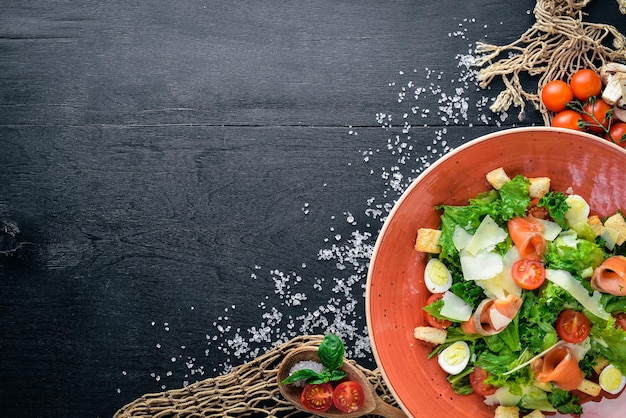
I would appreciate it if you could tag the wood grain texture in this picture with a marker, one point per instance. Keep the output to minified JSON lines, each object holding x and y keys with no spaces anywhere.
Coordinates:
{"x":167,"y":161}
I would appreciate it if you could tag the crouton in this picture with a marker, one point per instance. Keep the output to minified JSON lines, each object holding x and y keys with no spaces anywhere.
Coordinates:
{"x":430,"y":335}
{"x":507,"y":412}
{"x":497,"y":178}
{"x":595,"y":223}
{"x":535,"y":414}
{"x":617,"y":223}
{"x":428,"y":240}
{"x":589,"y":387}
{"x":600,"y":364}
{"x":538,"y":187}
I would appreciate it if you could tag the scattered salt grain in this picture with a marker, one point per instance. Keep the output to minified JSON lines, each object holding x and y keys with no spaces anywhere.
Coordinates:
{"x":305,"y":364}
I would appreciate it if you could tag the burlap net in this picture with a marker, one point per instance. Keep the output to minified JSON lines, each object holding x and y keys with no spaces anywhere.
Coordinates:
{"x":248,"y":390}
{"x":559,"y":43}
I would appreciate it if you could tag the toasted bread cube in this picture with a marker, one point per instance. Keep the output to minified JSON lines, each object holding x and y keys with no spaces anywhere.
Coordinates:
{"x":507,"y":412}
{"x":600,"y":364}
{"x":617,"y":223}
{"x":535,"y":414}
{"x":428,"y":240}
{"x":595,"y":223}
{"x":538,"y":187}
{"x":589,"y":387}
{"x":430,"y":335}
{"x":497,"y":178}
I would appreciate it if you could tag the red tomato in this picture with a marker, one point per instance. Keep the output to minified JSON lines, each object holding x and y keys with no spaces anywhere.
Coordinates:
{"x":432,"y":321}
{"x":317,"y":397}
{"x":567,"y":119}
{"x":528,"y":274}
{"x":618,"y":134}
{"x":477,"y":380}
{"x":572,"y":326}
{"x":585,"y":83}
{"x":620,"y":320}
{"x":349,"y":396}
{"x":599,"y":109}
{"x":556,"y":94}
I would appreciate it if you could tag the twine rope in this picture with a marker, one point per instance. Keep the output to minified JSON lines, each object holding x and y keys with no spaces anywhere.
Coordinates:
{"x":559,"y":43}
{"x":248,"y":390}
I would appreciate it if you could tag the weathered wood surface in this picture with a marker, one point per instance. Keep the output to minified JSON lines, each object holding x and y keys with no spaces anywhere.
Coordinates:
{"x":170,"y":163}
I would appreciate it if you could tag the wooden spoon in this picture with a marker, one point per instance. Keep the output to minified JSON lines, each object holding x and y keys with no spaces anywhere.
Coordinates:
{"x":373,"y":403}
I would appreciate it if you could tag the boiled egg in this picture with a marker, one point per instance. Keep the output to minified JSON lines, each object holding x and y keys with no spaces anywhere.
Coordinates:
{"x":578,"y":210}
{"x":454,"y":358}
{"x":612,"y":380}
{"x":437,"y":277}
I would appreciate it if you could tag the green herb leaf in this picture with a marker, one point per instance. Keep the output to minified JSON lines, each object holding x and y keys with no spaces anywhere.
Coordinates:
{"x":302,"y":374}
{"x":331,"y":351}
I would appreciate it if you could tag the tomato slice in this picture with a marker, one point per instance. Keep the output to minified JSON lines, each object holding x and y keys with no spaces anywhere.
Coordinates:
{"x":528,"y":274}
{"x":431,"y":320}
{"x":477,"y":380}
{"x":572,"y":326}
{"x":317,"y":397}
{"x":349,"y":396}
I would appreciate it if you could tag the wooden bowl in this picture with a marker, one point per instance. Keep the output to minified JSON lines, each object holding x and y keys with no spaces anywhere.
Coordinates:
{"x":594,"y":168}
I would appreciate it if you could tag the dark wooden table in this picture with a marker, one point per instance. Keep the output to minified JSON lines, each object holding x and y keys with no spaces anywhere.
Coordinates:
{"x":194,"y":181}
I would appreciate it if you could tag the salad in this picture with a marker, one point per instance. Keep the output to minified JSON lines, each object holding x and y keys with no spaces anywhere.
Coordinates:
{"x":528,"y":296}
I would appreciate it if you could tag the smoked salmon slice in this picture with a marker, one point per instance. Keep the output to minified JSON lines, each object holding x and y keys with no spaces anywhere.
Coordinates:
{"x":527,"y":235}
{"x":610,"y":276}
{"x":559,"y":366}
{"x":492,"y":315}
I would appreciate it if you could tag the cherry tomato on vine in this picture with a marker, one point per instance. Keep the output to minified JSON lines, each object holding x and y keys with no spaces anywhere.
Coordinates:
{"x":556,"y":94}
{"x":572,"y":326}
{"x":317,"y":397}
{"x":567,"y":119}
{"x":528,"y":274}
{"x":349,"y":396}
{"x":431,"y":320}
{"x":585,"y":83}
{"x":477,"y":380}
{"x":618,"y":134}
{"x":602,"y":113}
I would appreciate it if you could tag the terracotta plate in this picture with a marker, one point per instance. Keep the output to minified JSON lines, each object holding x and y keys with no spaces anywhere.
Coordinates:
{"x":592,"y":167}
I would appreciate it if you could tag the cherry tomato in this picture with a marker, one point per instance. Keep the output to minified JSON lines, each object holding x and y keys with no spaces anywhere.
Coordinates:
{"x":317,"y":397}
{"x":528,"y":274}
{"x":538,"y":212}
{"x":572,"y":326}
{"x":556,"y":94}
{"x":599,"y":109}
{"x":349,"y":396}
{"x":567,"y":119}
{"x":432,"y":321}
{"x":477,"y":380}
{"x":620,"y":320}
{"x":585,"y":83}
{"x":618,"y":133}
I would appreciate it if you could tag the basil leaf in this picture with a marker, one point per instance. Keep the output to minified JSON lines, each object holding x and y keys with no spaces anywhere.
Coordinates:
{"x":331,"y":351}
{"x":337,"y":375}
{"x":302,"y":374}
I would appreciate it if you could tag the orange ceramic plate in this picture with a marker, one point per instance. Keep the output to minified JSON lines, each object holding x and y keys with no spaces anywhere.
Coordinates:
{"x":592,"y":167}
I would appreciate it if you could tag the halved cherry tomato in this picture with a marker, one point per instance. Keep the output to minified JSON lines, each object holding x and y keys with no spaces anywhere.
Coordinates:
{"x":528,"y":274}
{"x":317,"y":397}
{"x":477,"y":380}
{"x":585,"y":83}
{"x":572,"y":326}
{"x":556,"y":94}
{"x":432,"y":321}
{"x":349,"y":396}
{"x":618,"y":134}
{"x":567,"y":119}
{"x":601,"y":116}
{"x":620,"y":320}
